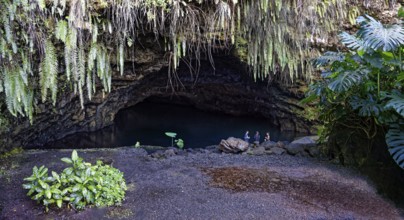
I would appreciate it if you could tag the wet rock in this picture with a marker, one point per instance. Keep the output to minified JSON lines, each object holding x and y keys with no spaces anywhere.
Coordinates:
{"x":314,"y":151}
{"x":158,"y":154}
{"x":258,"y":151}
{"x":268,"y":145}
{"x":233,"y":145}
{"x":307,"y":141}
{"x":278,"y":150}
{"x":294,"y":149}
{"x":169,"y":153}
{"x":280,"y":144}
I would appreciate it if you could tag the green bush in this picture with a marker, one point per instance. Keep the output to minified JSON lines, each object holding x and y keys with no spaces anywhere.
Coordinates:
{"x":362,"y":89}
{"x":79,"y":185}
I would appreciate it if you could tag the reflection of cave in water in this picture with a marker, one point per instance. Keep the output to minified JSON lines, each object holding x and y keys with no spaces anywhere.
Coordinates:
{"x":147,"y":122}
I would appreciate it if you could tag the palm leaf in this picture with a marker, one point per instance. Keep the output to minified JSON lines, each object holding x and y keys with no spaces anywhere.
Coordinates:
{"x":377,"y":36}
{"x":346,"y":80}
{"x":395,"y":143}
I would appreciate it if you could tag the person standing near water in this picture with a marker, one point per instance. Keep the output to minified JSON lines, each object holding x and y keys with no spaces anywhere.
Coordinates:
{"x":267,"y":137}
{"x":257,"y":137}
{"x":246,"y":137}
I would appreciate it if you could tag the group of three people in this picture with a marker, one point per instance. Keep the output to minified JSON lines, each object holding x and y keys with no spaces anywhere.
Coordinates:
{"x":257,"y":137}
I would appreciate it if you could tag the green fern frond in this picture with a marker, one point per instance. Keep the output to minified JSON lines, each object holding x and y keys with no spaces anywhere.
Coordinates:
{"x":61,"y":30}
{"x":48,"y":72}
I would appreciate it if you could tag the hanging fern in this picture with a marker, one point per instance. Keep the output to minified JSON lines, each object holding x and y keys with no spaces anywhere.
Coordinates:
{"x":48,"y":72}
{"x":395,"y":143}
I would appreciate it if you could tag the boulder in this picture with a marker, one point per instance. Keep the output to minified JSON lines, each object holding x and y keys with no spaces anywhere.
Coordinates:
{"x":280,"y":144}
{"x":233,"y":145}
{"x":170,"y":153}
{"x":278,"y":150}
{"x":294,"y":149}
{"x":307,"y":141}
{"x":258,"y":151}
{"x":268,"y":145}
{"x":304,"y":146}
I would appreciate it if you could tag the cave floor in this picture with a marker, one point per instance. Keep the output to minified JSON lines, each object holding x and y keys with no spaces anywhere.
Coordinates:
{"x":206,"y":185}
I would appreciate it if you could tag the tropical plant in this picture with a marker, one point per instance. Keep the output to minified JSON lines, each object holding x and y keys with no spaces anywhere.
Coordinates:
{"x":363,"y":88}
{"x":79,"y":185}
{"x":179,"y":142}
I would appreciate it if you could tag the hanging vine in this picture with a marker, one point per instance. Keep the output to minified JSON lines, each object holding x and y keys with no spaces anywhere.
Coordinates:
{"x":48,"y":43}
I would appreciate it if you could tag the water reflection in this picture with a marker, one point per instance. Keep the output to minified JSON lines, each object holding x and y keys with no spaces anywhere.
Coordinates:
{"x":147,"y":122}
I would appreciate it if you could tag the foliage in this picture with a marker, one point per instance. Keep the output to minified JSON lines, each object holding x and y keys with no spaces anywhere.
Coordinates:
{"x":179,"y":142}
{"x":46,"y":45}
{"x":79,"y":185}
{"x":362,"y":88}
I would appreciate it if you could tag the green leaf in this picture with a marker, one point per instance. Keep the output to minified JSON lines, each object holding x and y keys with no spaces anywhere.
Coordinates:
{"x":396,"y":103}
{"x":180,"y":143}
{"x":74,"y":155}
{"x":48,"y":193}
{"x":59,"y":203}
{"x":26,"y":186}
{"x":66,"y":160}
{"x":395,"y":143}
{"x":171,"y":134}
{"x":400,"y":12}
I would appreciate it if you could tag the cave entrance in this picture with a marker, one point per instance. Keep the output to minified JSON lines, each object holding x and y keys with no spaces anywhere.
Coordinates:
{"x":146,"y":122}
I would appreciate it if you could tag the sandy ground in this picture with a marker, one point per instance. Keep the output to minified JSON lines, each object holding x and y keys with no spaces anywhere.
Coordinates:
{"x":206,"y":185}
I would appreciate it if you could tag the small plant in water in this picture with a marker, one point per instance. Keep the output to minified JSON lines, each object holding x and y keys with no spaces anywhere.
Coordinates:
{"x":79,"y":185}
{"x":179,"y":142}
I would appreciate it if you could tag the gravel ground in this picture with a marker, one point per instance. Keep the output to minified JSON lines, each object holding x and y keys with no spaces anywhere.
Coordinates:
{"x":207,"y":185}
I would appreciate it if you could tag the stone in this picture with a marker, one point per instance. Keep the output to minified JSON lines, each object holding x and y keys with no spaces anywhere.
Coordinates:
{"x":314,"y":151}
{"x":258,"y":151}
{"x":280,"y":144}
{"x":294,"y":149}
{"x":307,"y":141}
{"x":268,"y":144}
{"x":233,"y":145}
{"x":278,"y":150}
{"x":158,"y":154}
{"x":169,"y":153}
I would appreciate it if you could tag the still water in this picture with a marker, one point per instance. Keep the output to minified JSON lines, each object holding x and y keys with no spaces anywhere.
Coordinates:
{"x":147,"y":122}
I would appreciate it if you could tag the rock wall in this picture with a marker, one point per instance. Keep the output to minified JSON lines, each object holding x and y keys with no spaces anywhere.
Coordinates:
{"x":226,"y":88}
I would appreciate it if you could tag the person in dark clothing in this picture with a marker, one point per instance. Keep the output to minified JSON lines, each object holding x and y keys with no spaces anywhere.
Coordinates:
{"x":257,"y":137}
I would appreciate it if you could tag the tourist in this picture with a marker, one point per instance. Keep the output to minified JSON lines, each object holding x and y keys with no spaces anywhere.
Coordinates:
{"x":257,"y":137}
{"x":246,"y":137}
{"x":267,"y":137}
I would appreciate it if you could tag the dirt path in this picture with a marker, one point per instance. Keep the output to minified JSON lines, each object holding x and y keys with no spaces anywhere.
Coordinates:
{"x":206,"y":185}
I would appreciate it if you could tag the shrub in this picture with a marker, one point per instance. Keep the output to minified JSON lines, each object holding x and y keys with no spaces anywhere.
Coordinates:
{"x":79,"y":185}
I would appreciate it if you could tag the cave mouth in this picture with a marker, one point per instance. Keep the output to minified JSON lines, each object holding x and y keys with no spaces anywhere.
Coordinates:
{"x":147,"y":121}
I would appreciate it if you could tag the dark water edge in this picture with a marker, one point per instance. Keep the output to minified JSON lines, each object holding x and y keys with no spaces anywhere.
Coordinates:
{"x":147,"y":122}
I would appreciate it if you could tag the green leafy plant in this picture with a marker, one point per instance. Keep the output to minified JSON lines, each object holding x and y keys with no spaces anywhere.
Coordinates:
{"x":179,"y":142}
{"x":79,"y":185}
{"x":363,"y":88}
